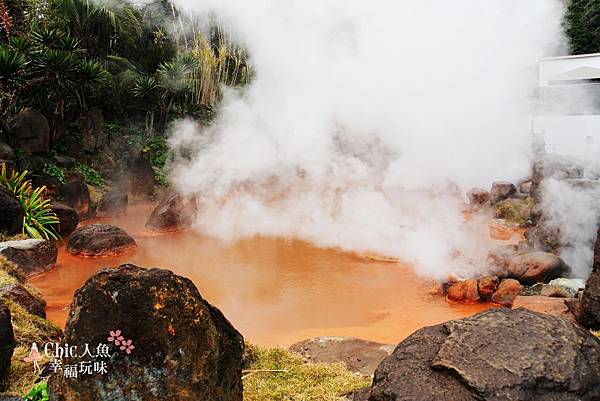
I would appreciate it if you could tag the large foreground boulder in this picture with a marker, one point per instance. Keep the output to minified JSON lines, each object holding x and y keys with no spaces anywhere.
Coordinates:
{"x":100,"y":240}
{"x":172,"y":214}
{"x":7,"y":343}
{"x":499,"y":354}
{"x":185,"y":349}
{"x":68,"y":217}
{"x":77,"y":195}
{"x":11,"y":213}
{"x":30,"y":131}
{"x":31,"y":255}
{"x":358,"y":355}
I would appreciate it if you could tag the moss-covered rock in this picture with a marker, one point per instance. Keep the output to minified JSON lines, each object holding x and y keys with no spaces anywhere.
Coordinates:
{"x":514,"y":210}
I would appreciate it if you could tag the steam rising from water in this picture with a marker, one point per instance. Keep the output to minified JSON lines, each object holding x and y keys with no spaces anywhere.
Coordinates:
{"x":367,"y":120}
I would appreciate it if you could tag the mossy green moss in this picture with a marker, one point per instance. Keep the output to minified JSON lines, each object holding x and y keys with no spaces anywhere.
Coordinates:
{"x":10,"y":269}
{"x":29,"y":328}
{"x":21,"y":376}
{"x":516,"y":211}
{"x":299,"y":381}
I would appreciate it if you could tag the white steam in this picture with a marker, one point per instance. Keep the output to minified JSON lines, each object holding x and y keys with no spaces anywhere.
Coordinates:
{"x":366,"y":120}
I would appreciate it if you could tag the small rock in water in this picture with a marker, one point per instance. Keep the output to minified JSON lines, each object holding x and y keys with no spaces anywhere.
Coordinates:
{"x":99,"y":240}
{"x":113,"y":203}
{"x":487,"y":286}
{"x":463,"y":291}
{"x":507,"y":291}
{"x":173,"y":213}
{"x":501,"y":190}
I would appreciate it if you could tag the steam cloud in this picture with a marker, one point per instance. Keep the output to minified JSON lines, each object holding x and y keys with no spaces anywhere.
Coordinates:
{"x":366,"y":121}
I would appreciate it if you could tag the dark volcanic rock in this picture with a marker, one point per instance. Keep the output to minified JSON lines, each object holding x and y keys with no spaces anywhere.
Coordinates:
{"x":185,"y":349}
{"x":501,"y":190}
{"x":113,"y":203}
{"x":536,"y":267}
{"x":20,"y":295}
{"x":99,"y":240}
{"x":51,"y":183}
{"x":76,"y":195}
{"x":141,"y":177}
{"x":11,"y":213}
{"x":360,"y":356}
{"x":507,"y":291}
{"x":7,"y":342}
{"x":31,"y":255}
{"x":172,"y":214}
{"x":69,"y":219}
{"x":589,"y":309}
{"x":496,"y":355}
{"x":30,"y":131}
{"x":478,"y":196}
{"x":463,"y":291}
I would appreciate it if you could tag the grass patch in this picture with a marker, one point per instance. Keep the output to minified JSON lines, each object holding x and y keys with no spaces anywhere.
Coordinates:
{"x":517,"y":211}
{"x":300,"y":382}
{"x":29,"y":328}
{"x":10,"y":273}
{"x":17,"y":237}
{"x":21,"y":376}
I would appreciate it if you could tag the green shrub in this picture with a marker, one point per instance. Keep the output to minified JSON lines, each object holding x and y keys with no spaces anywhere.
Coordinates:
{"x":39,"y":219}
{"x":55,"y":171}
{"x":39,"y":392}
{"x":90,"y":176}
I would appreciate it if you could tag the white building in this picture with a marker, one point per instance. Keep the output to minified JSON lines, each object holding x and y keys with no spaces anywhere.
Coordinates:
{"x":568,"y":115}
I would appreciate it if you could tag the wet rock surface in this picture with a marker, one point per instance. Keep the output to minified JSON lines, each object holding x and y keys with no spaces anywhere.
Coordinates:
{"x":533,"y":357}
{"x":11,"y":213}
{"x":172,"y":214}
{"x":360,"y":356}
{"x":463,"y":291}
{"x":536,"y":267}
{"x":113,"y":203}
{"x":99,"y":240}
{"x":507,"y":291}
{"x":20,"y":295}
{"x":76,"y":195}
{"x":7,"y":343}
{"x":185,"y":349}
{"x":31,"y":255}
{"x":589,"y":313}
{"x":69,"y":218}
{"x":487,"y":286}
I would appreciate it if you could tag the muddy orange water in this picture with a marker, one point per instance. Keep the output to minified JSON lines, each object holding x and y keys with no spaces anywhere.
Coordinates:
{"x":274,"y":291}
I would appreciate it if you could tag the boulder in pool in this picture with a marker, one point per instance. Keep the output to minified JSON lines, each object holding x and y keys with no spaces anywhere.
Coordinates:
{"x":172,"y":214}
{"x":499,"y":354}
{"x":463,"y":291}
{"x":33,"y":256}
{"x":69,"y":218}
{"x":113,"y":203}
{"x":501,"y":190}
{"x":7,"y":342}
{"x":507,"y":291}
{"x":99,"y":240}
{"x":185,"y":349}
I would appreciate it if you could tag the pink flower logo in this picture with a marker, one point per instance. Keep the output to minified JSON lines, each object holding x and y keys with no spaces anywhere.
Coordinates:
{"x":127,"y":346}
{"x":116,"y":337}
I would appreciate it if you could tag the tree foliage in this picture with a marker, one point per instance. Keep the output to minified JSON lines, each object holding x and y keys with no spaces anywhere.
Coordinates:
{"x":582,"y":26}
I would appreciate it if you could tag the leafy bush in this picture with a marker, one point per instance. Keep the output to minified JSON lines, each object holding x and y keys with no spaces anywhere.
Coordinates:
{"x":39,"y":392}
{"x":38,"y":217}
{"x":90,"y":176}
{"x":55,"y":171}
